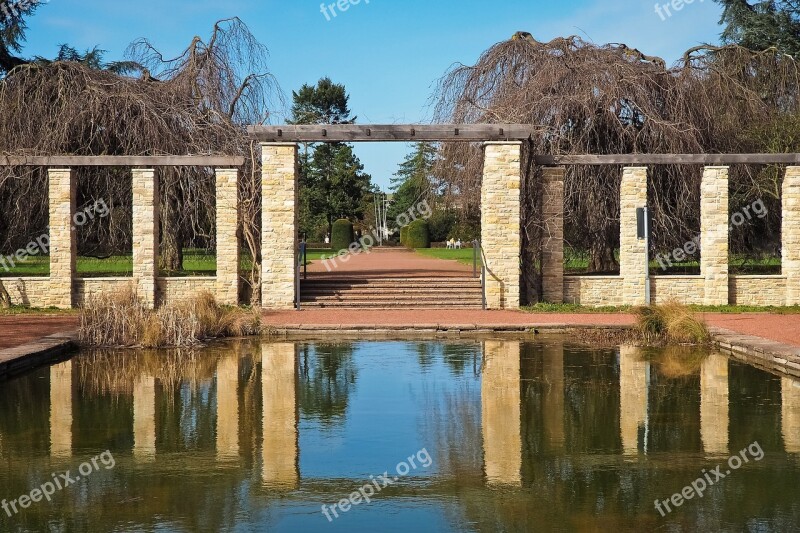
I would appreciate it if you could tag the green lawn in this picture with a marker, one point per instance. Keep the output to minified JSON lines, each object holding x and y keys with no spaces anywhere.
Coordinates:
{"x":462,"y":256}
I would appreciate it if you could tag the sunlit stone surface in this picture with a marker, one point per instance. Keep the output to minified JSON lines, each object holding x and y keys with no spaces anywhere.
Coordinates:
{"x":632,"y":396}
{"x":228,"y":408}
{"x":144,"y":419}
{"x":279,"y":396}
{"x":61,"y":410}
{"x":500,"y":397}
{"x":714,"y":404}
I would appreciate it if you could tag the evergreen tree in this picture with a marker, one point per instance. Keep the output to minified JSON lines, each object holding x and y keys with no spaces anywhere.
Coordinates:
{"x":414,"y":180}
{"x":763,"y":24}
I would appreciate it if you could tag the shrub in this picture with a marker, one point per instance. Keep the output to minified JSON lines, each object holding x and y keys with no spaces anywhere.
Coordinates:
{"x":120,"y":320}
{"x":342,"y":235}
{"x":403,"y":235}
{"x":418,"y":235}
{"x":671,"y":322}
{"x":441,"y":224}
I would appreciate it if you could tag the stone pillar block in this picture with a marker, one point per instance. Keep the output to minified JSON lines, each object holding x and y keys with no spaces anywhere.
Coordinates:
{"x":714,"y":231}
{"x":791,"y":235}
{"x":500,"y":223}
{"x":279,"y":239}
{"x":63,"y":243}
{"x":633,"y":252}
{"x":228,"y":245}
{"x":553,"y":243}
{"x":145,"y":234}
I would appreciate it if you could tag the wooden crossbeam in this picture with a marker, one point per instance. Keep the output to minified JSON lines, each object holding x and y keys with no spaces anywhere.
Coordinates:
{"x":392,"y":133}
{"x":669,"y":159}
{"x":122,"y":161}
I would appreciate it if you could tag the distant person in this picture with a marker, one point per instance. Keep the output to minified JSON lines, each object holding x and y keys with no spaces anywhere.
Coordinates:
{"x":451,"y":244}
{"x":459,"y":244}
{"x":327,"y":239}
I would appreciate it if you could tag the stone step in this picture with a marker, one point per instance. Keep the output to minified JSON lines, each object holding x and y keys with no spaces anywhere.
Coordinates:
{"x":415,"y":298}
{"x":390,"y":290}
{"x":392,"y":305}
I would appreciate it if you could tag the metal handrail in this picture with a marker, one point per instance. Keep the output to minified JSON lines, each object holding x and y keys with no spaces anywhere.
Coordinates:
{"x":476,"y":250}
{"x":301,"y":263}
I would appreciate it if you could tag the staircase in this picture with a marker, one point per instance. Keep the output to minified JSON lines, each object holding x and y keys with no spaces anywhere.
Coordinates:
{"x":382,"y":293}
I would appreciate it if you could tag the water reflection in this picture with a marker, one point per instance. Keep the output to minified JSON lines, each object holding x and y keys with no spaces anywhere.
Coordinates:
{"x":279,"y":398}
{"x":523,"y":435}
{"x":61,"y":410}
{"x":500,"y":414}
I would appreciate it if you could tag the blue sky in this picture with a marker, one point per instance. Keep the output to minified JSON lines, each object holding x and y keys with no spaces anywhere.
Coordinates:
{"x":388,"y":53}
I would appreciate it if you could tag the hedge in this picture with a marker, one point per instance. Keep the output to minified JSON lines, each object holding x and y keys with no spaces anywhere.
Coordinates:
{"x":419,"y":235}
{"x":403,"y":235}
{"x":342,"y":235}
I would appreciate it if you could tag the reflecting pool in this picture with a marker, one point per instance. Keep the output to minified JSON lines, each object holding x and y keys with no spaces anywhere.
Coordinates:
{"x":492,"y":435}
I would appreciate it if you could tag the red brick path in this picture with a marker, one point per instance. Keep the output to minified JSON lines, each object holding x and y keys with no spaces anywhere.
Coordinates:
{"x":16,"y":330}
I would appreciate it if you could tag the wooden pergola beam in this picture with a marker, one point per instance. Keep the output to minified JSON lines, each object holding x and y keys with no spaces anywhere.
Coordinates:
{"x":391,"y":133}
{"x":669,"y":159}
{"x":122,"y":161}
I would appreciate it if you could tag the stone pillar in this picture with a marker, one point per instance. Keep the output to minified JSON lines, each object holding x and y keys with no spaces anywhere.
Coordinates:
{"x":145,"y":234}
{"x":632,"y":397}
{"x":279,"y":237}
{"x":228,"y":408}
{"x":63,"y":244}
{"x":553,"y":245}
{"x":714,"y":409}
{"x":144,"y":419}
{"x":790,"y":414}
{"x":500,"y":223}
{"x":714,"y":229}
{"x":553,"y":397}
{"x":791,"y":235}
{"x":61,"y":410}
{"x":632,"y":253}
{"x":279,"y":401}
{"x":500,"y":413}
{"x":228,"y":247}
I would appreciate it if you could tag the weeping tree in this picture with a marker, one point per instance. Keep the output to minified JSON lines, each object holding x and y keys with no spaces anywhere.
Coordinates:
{"x":195,"y":104}
{"x":581,"y":98}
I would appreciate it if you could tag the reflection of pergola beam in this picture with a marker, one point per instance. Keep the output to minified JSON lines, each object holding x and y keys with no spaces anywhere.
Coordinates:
{"x":553,"y":400}
{"x":790,"y":414}
{"x":500,"y":413}
{"x":144,"y":419}
{"x":61,"y":409}
{"x":714,"y":408}
{"x":279,"y":398}
{"x":228,"y":408}
{"x":632,"y":397}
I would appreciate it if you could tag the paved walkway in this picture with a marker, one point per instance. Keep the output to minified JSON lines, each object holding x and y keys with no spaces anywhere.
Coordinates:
{"x":388,"y":263}
{"x":16,"y":330}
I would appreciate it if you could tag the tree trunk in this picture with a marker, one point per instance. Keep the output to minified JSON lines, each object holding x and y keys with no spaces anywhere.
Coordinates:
{"x":602,"y":260}
{"x":171,"y":234}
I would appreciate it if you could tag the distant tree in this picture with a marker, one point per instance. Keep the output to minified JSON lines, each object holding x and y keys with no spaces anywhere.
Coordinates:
{"x":332,"y":179}
{"x":761,"y":25}
{"x":414,"y":180}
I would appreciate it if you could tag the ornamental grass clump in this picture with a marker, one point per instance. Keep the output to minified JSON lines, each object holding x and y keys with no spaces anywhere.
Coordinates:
{"x":121,"y":320}
{"x":671,"y":323}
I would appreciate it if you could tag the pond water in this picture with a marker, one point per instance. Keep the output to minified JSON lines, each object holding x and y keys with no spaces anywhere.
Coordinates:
{"x":493,"y":435}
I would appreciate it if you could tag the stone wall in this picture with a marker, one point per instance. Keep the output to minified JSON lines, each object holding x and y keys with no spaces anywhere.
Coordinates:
{"x":682,"y":289}
{"x":63,"y":244}
{"x":279,"y":239}
{"x":500,"y":229}
{"x":228,"y":247}
{"x":145,"y":234}
{"x":593,"y":291}
{"x":714,"y":230}
{"x":759,"y":291}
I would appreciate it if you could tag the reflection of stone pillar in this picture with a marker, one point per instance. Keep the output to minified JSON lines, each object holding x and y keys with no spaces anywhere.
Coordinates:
{"x":714,"y":404}
{"x":228,"y":408}
{"x":553,"y":401}
{"x":632,"y":397}
{"x":61,"y":410}
{"x":500,"y":409}
{"x":144,"y":419}
{"x":790,"y":414}
{"x":500,"y":223}
{"x":279,"y":398}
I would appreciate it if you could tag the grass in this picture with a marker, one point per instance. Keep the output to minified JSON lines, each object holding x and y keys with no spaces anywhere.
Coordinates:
{"x":546,"y":308}
{"x":16,"y":310}
{"x":464,"y":255}
{"x":671,"y":323}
